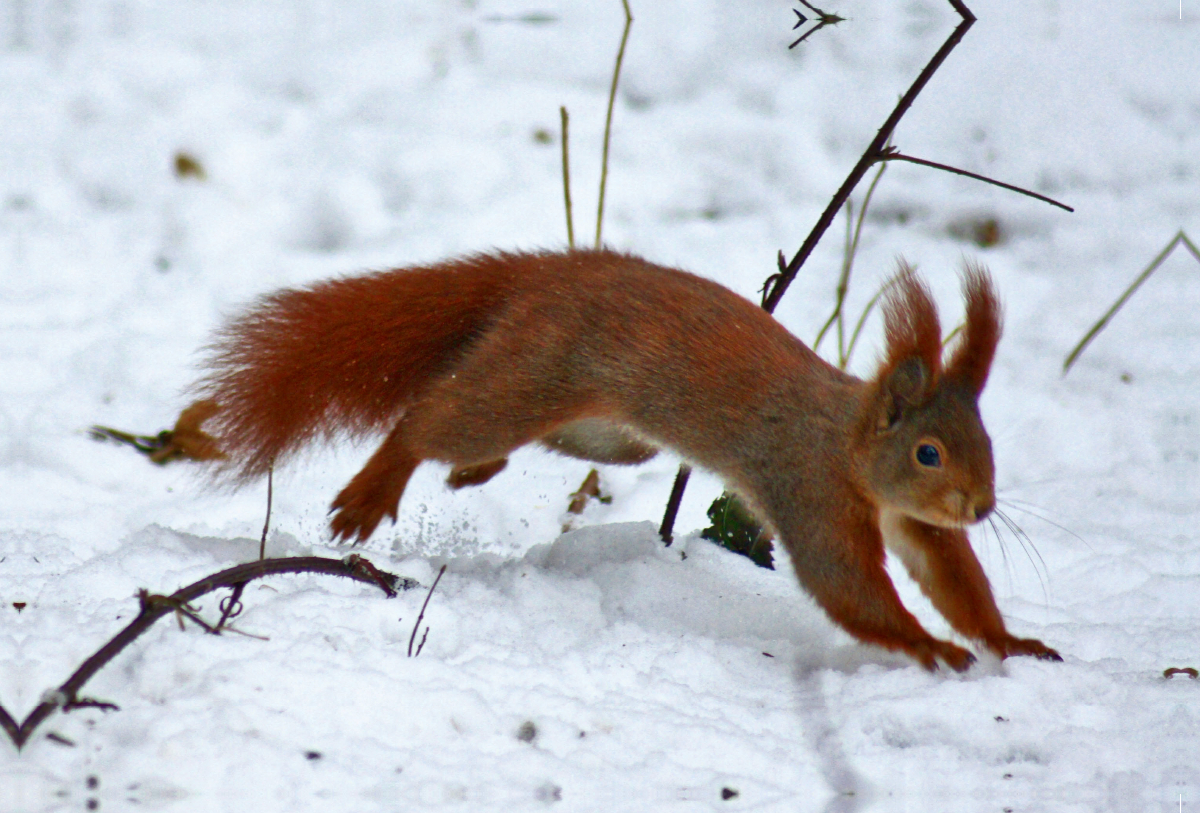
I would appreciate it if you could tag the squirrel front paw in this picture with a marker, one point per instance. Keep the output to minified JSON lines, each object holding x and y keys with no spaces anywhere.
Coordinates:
{"x":929,"y":652}
{"x":1011,"y":645}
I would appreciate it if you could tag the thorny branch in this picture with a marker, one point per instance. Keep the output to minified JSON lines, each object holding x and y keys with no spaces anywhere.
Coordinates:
{"x":873,"y":153}
{"x":777,"y":284}
{"x":154,"y":607}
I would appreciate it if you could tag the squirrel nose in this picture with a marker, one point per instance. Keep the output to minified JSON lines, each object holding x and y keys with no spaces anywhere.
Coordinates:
{"x":984,"y":507}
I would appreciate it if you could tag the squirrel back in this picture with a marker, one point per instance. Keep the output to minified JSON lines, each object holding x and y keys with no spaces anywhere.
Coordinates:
{"x":606,"y":356}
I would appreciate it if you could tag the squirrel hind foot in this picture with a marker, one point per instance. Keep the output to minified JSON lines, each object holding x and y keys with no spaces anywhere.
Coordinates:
{"x":355,"y":519}
{"x":476,"y":475}
{"x":372,"y":494}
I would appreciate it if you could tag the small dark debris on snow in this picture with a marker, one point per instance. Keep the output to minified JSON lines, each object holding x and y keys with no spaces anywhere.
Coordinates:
{"x":548,"y":792}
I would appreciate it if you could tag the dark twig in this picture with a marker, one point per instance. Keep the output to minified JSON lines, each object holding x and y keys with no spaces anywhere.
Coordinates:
{"x":421,"y":615}
{"x":1191,"y":672}
{"x":875,"y":151}
{"x":668,"y":523}
{"x":187,"y":440}
{"x":181,"y":609}
{"x":11,"y":727}
{"x":367,"y":572}
{"x":895,"y":155}
{"x":146,"y":444}
{"x":154,"y":607}
{"x":231,"y":605}
{"x":824,"y":19}
{"x":781,"y":262}
{"x":89,"y":703}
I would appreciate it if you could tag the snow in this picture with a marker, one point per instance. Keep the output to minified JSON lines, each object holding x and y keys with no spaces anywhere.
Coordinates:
{"x":595,"y":670}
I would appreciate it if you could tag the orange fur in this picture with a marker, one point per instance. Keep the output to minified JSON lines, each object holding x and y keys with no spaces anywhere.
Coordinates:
{"x":605,"y":356}
{"x":972,"y":357}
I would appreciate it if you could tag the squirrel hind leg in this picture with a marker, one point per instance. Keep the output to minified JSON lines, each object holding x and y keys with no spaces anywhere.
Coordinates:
{"x":375,"y":491}
{"x":476,"y":475}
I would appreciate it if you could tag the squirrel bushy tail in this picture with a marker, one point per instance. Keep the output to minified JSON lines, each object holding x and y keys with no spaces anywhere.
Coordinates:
{"x":341,"y":356}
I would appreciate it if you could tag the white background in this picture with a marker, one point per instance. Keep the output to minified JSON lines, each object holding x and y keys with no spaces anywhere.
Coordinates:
{"x":340,"y":136}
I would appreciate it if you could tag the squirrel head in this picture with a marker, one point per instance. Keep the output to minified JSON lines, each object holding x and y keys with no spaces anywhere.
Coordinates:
{"x":924,"y":450}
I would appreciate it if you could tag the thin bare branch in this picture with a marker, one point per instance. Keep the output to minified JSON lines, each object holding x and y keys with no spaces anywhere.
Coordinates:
{"x":421,"y":614}
{"x":612,"y":98}
{"x":231,"y":605}
{"x":862,"y":320}
{"x":1180,"y":237}
{"x":566,"y":175}
{"x":777,"y":284}
{"x":872,"y":154}
{"x":823,"y":18}
{"x":11,"y":727}
{"x":668,"y":523}
{"x":843,"y":286}
{"x":262,"y":544}
{"x":154,"y":607}
{"x":894,"y":155}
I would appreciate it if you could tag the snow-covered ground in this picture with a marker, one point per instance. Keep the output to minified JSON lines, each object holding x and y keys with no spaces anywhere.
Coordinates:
{"x":596,"y":670}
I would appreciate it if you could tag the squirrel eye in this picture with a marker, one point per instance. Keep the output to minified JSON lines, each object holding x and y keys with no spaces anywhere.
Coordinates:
{"x":927,"y":455}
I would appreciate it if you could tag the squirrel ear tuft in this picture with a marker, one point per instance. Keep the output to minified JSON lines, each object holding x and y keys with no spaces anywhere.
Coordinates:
{"x":911,"y":326}
{"x":973,"y":353}
{"x":913,"y":359}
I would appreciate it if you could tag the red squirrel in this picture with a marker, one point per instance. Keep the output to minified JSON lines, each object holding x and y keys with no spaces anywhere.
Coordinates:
{"x":605,"y":356}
